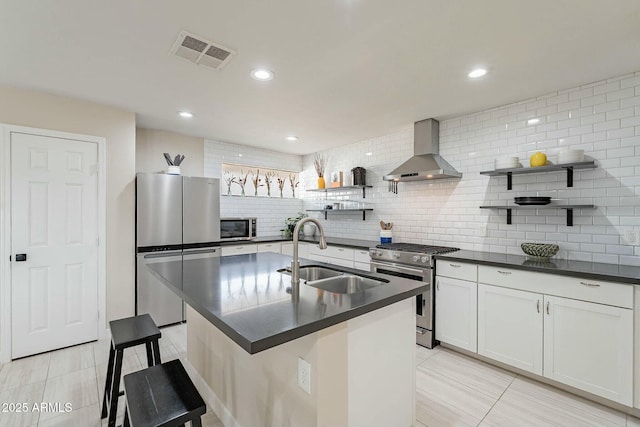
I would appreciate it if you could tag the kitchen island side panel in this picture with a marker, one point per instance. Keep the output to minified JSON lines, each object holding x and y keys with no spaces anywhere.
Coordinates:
{"x":356,"y":366}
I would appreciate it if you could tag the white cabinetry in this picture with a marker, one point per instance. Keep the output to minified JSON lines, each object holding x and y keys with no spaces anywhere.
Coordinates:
{"x":510,"y":327}
{"x":575,"y":331}
{"x":239,"y":249}
{"x":303,"y":249}
{"x":270,"y":247}
{"x":336,"y":255}
{"x":589,"y":346}
{"x":361,"y":259}
{"x":456,"y":304}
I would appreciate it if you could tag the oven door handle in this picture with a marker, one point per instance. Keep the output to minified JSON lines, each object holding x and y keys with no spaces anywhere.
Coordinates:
{"x":398,"y":269}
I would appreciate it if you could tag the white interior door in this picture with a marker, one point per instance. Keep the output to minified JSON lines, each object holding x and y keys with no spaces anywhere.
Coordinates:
{"x":54,"y":199}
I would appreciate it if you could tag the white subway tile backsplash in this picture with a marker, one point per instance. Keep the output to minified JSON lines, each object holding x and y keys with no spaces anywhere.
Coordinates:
{"x":603,"y":118}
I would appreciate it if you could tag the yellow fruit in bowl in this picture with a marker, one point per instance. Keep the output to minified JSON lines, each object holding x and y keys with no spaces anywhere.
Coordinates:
{"x":538,"y":159}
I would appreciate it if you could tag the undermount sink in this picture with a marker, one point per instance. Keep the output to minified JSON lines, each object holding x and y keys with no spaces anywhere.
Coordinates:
{"x":346,"y":284}
{"x":311,"y":273}
{"x":336,"y":281}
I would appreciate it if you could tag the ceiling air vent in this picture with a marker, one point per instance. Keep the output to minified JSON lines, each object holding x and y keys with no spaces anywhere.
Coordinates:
{"x":200,"y":51}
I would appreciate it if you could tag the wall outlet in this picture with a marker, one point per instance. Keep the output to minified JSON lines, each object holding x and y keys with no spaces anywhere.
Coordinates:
{"x":484,"y":230}
{"x":632,"y":236}
{"x":304,"y":375}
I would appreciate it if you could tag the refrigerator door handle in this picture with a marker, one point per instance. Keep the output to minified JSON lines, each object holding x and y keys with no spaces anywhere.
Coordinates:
{"x":162,"y":254}
{"x":200,"y":251}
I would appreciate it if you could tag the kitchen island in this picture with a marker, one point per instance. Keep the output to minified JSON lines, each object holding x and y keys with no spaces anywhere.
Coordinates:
{"x":245,"y":336}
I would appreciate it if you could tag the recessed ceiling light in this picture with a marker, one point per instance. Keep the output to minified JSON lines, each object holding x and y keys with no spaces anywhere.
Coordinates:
{"x":478,"y":72}
{"x":239,"y":154}
{"x":369,"y":153}
{"x":533,"y":121}
{"x":262,"y":74}
{"x":185,"y":114}
{"x":291,"y":138}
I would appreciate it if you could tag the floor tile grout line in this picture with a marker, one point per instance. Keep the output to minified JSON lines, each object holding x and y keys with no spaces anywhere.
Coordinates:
{"x":468,"y":386}
{"x":498,"y":399}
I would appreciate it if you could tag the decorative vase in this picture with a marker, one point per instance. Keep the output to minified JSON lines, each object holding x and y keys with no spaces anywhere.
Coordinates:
{"x":321,"y":183}
{"x":308,"y":230}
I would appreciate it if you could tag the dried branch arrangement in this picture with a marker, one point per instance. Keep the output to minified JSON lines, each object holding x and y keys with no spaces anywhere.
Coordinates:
{"x":320,"y":163}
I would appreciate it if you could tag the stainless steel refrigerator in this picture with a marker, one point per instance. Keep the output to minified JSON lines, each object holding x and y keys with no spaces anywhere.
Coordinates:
{"x":177,"y":217}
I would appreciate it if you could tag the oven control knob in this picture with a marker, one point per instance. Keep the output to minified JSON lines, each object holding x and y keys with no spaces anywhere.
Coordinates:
{"x":423,"y":259}
{"x":415,"y":258}
{"x":396,"y":256}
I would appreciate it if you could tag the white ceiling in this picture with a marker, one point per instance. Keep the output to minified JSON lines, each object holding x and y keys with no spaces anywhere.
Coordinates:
{"x":345,"y":70}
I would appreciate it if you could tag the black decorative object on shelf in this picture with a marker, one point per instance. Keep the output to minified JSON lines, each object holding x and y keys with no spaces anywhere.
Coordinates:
{"x":524,"y":201}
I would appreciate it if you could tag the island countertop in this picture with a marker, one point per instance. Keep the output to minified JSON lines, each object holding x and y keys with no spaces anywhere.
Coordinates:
{"x":245,"y":297}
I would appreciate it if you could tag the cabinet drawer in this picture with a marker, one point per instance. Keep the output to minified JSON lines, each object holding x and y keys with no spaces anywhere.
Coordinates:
{"x":250,"y":248}
{"x":270,"y":247}
{"x":597,"y":291}
{"x":361,"y":255}
{"x":333,"y":252}
{"x":457,"y":270}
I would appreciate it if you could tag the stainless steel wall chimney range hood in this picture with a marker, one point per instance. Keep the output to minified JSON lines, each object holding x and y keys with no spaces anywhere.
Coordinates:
{"x":426,"y":162}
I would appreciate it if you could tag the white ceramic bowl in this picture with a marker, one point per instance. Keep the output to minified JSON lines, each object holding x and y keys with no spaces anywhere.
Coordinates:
{"x":506,"y":162}
{"x":570,"y":156}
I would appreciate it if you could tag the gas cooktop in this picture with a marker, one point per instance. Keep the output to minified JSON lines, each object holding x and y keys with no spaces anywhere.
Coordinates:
{"x":414,"y":247}
{"x":408,"y":253}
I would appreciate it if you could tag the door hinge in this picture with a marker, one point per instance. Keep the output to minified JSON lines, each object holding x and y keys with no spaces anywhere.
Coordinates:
{"x":95,"y":168}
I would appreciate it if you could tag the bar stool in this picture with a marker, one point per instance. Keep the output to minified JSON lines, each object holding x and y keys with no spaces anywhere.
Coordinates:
{"x":126,"y":333}
{"x":162,"y":396}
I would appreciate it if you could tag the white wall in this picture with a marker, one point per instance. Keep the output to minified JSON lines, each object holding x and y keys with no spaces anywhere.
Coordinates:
{"x":603,"y":118}
{"x":46,"y":111}
{"x":271,"y":212}
{"x":151,"y":143}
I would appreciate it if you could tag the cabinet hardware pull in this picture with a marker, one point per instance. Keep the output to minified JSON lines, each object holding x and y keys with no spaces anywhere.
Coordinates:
{"x":548,"y":307}
{"x":591,"y":285}
{"x":538,"y":306}
{"x":437,"y":286}
{"x":455,"y":265}
{"x":504,"y":272}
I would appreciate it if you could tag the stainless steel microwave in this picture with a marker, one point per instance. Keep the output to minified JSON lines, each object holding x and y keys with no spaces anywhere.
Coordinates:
{"x":238,"y":228}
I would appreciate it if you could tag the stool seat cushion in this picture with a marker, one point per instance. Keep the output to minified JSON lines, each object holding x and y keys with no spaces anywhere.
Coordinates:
{"x":133,"y":331}
{"x":162,"y":395}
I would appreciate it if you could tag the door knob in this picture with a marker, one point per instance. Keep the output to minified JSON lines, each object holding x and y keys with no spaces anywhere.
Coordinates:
{"x":21,"y":257}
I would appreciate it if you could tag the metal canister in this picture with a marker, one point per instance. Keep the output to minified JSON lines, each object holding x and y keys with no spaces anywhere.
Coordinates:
{"x":359,"y":176}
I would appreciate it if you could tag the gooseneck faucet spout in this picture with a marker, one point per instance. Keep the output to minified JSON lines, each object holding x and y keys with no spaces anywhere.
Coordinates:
{"x":295,"y":263}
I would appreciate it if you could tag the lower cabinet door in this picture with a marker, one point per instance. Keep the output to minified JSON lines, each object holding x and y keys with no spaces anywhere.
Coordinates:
{"x":510,"y":327}
{"x":456,"y":312}
{"x":589,"y":346}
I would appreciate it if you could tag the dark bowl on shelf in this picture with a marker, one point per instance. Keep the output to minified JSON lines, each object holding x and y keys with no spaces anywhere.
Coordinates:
{"x":532,"y":200}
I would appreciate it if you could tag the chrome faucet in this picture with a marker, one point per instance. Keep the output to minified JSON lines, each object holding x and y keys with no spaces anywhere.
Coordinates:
{"x":295,"y":263}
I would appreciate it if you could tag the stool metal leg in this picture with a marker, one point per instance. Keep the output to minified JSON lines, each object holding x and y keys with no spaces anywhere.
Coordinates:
{"x":115,"y":389}
{"x":107,"y":382}
{"x":125,"y":423}
{"x":196,"y":422}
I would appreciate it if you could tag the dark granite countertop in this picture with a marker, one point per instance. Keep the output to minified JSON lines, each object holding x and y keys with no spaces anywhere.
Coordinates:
{"x":588,"y":270}
{"x":245,"y":297}
{"x":337,"y":241}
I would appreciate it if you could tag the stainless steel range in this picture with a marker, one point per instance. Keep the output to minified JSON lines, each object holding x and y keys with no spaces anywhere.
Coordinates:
{"x":412,"y":261}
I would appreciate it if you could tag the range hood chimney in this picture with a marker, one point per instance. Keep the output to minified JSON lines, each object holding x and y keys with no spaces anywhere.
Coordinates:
{"x":426,"y":162}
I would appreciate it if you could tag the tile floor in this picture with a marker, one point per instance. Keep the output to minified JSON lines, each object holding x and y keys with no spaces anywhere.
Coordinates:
{"x":455,"y":390}
{"x":452,"y":390}
{"x":76,"y":375}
